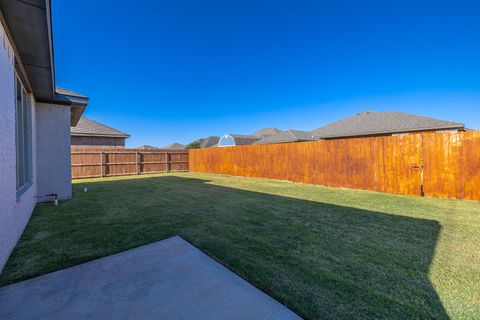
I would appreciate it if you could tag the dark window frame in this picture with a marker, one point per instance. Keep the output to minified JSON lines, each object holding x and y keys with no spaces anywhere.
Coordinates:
{"x":23,"y":138}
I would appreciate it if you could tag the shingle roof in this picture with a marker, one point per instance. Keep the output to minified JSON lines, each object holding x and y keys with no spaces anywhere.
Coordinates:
{"x":266,"y":132}
{"x":243,"y":139}
{"x":210,"y":141}
{"x":372,"y":123}
{"x":175,"y":146}
{"x":287,"y":136}
{"x":89,"y":127}
{"x":146,"y":146}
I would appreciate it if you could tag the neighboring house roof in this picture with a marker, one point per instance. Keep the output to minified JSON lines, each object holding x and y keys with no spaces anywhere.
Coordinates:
{"x":287,"y":136}
{"x":242,"y":139}
{"x":199,"y":140}
{"x":210,"y":141}
{"x":266,"y":132}
{"x":146,"y":146}
{"x":175,"y":146}
{"x":89,"y":127}
{"x":374,"y":123}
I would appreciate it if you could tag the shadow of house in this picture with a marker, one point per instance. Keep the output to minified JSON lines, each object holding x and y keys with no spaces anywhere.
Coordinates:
{"x":320,"y":259}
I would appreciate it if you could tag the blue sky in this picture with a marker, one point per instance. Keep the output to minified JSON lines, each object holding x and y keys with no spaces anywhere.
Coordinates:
{"x":175,"y":71}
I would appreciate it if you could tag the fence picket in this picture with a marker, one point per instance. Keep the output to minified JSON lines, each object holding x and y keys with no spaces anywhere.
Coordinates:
{"x":446,"y":164}
{"x":114,"y":162}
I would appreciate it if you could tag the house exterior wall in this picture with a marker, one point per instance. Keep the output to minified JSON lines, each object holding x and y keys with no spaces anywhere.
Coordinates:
{"x":14,"y":211}
{"x":97,"y":141}
{"x":53,"y":139}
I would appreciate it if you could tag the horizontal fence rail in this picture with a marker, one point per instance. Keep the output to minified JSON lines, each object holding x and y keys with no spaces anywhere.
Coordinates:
{"x":437,"y":164}
{"x":107,"y":162}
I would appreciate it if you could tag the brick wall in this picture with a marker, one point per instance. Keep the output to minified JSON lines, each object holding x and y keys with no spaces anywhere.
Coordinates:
{"x":98,"y":141}
{"x":53,"y":139}
{"x":14,"y":212}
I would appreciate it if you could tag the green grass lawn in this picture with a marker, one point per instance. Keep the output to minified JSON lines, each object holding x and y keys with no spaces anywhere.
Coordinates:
{"x":325,"y":253}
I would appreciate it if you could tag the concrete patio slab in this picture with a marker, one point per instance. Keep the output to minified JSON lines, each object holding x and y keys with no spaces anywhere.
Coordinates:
{"x":169,"y":279}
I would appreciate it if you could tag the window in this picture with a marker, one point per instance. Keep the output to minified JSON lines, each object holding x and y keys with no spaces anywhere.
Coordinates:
{"x":23,"y":127}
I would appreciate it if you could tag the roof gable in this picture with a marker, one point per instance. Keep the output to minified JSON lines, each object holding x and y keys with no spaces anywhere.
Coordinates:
{"x":210,"y":141}
{"x":175,"y":146}
{"x":266,"y":132}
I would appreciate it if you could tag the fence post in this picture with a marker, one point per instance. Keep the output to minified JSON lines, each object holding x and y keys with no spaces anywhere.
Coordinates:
{"x":422,"y":167}
{"x":136,"y":162}
{"x":101,"y":164}
{"x":167,"y":158}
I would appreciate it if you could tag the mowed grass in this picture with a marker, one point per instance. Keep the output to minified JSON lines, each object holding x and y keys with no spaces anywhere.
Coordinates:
{"x":325,"y":253}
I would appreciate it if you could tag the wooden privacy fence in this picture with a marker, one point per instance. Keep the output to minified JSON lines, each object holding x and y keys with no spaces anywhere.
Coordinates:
{"x":105,"y":162}
{"x":443,"y":165}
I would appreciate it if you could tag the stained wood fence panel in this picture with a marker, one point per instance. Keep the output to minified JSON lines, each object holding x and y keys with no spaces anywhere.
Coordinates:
{"x":105,"y":162}
{"x":432,"y":164}
{"x":452,"y":165}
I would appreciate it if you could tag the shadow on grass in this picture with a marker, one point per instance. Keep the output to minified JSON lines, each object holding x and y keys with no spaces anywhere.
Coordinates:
{"x":321,"y":260}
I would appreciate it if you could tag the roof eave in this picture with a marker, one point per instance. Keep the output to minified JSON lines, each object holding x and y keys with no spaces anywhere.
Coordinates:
{"x":50,"y":42}
{"x":30,"y":26}
{"x":77,"y":105}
